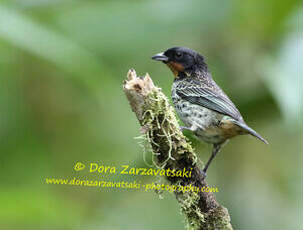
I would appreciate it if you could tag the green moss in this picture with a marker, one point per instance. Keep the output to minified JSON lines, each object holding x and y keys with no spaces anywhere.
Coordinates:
{"x":160,"y":124}
{"x":189,"y":207}
{"x":159,"y":119}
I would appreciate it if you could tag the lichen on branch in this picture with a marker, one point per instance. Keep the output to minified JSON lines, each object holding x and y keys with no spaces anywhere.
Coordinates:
{"x":173,"y":151}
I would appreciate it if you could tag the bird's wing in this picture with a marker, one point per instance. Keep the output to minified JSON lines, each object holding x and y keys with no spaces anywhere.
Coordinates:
{"x":208,"y":96}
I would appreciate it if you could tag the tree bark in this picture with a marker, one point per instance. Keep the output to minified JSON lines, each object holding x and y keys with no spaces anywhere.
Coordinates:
{"x":173,"y":151}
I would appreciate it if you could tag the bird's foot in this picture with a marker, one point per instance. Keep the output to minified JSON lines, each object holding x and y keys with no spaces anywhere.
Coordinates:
{"x":182,"y":128}
{"x":192,"y":128}
{"x":203,"y":175}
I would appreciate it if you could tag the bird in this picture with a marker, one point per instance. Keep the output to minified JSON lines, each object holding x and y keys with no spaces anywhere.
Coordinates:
{"x":200,"y":103}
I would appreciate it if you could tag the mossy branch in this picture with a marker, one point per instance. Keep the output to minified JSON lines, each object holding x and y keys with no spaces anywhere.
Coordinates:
{"x":173,"y":151}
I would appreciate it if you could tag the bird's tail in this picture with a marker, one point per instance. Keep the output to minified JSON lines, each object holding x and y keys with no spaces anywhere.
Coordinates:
{"x":250,"y":131}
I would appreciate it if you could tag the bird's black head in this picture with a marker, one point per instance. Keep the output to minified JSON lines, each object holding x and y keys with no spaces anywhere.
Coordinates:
{"x":182,"y":61}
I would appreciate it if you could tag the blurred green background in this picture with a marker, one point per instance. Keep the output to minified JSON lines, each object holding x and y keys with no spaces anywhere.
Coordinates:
{"x":62,"y":64}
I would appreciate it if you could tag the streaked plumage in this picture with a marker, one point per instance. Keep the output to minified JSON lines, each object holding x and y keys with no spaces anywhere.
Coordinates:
{"x":200,"y":103}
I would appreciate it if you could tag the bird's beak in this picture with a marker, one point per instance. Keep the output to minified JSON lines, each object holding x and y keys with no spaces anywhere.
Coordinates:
{"x":160,"y":57}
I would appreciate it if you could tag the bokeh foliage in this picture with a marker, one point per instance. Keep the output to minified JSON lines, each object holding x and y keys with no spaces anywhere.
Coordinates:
{"x":62,"y":64}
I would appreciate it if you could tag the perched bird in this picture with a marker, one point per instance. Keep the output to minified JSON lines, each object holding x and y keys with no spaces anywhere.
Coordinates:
{"x":200,"y":103}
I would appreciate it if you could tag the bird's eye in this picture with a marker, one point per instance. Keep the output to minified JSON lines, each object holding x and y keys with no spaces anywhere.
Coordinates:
{"x":179,"y":55}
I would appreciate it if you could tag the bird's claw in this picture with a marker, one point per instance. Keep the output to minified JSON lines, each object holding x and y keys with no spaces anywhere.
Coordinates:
{"x":203,"y":175}
{"x":182,"y":128}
